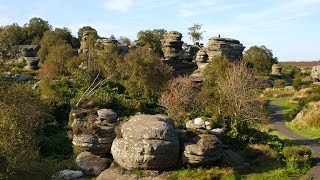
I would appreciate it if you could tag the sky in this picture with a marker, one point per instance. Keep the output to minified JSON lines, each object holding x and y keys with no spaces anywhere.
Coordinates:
{"x":290,"y":28}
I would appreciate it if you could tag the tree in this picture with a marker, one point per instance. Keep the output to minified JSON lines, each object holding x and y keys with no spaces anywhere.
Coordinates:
{"x":143,"y":72}
{"x":53,"y":38}
{"x":87,"y":28}
{"x":56,"y":60}
{"x":22,"y":118}
{"x":239,"y":96}
{"x":152,"y":38}
{"x":10,"y":37}
{"x":195,"y":33}
{"x":35,"y":28}
{"x":261,"y":58}
{"x":180,"y":97}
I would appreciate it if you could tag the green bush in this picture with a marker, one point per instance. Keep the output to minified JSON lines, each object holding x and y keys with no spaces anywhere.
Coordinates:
{"x":297,"y":82}
{"x":297,"y":158}
{"x":279,"y":83}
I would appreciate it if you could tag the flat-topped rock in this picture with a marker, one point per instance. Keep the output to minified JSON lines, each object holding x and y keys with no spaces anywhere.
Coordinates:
{"x":172,"y":45}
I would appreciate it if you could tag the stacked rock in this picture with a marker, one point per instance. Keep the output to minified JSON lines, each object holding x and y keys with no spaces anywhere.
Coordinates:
{"x":84,"y":45}
{"x":203,"y":149}
{"x":230,"y":48}
{"x":315,"y":73}
{"x":147,"y":142}
{"x":28,"y":55}
{"x":276,"y":70}
{"x":172,"y":45}
{"x":202,"y":56}
{"x":93,"y":136}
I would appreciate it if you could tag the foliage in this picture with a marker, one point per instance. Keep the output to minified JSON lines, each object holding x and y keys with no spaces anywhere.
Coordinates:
{"x":35,"y":29}
{"x":89,"y":29}
{"x":297,"y":82}
{"x":10,"y":37}
{"x":152,"y":38}
{"x":261,"y":58}
{"x":239,"y":96}
{"x":144,"y":74}
{"x":279,"y":83}
{"x":180,"y":97}
{"x":22,"y":117}
{"x":195,"y":33}
{"x":216,"y":70}
{"x":297,"y":158}
{"x":51,"y":39}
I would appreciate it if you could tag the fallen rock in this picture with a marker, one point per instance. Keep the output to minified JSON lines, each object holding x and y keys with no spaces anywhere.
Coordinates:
{"x":191,"y":125}
{"x":92,"y":164}
{"x":217,"y":131}
{"x":107,"y":114}
{"x":68,"y":175}
{"x":147,"y":142}
{"x":199,"y":121}
{"x":203,"y":149}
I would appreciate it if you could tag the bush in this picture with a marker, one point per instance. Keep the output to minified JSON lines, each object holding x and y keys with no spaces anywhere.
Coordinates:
{"x":297,"y":82}
{"x":279,"y":83}
{"x":297,"y":158}
{"x":179,"y":98}
{"x":260,"y":153}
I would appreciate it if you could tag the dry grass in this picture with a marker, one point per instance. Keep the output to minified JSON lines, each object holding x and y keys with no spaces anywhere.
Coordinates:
{"x":302,"y":64}
{"x":309,"y":117}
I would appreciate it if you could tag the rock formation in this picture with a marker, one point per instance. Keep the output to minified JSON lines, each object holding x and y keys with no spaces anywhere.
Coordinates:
{"x":106,"y":43}
{"x":84,"y":44}
{"x":203,"y":149}
{"x":315,"y":73}
{"x":172,"y":45}
{"x":28,"y":55}
{"x":92,"y":164}
{"x":276,"y":70}
{"x":147,"y":142}
{"x":95,"y":135}
{"x":230,"y":48}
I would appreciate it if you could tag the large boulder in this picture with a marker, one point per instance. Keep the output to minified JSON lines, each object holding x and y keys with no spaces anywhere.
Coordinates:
{"x":92,"y":164}
{"x":172,"y":45}
{"x":107,"y":114}
{"x":147,"y":142}
{"x":203,"y":149}
{"x":315,"y":73}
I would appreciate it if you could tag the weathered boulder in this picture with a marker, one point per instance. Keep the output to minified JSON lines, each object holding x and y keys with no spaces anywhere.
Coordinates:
{"x":172,"y":45}
{"x":115,"y":174}
{"x":28,"y":50}
{"x":107,"y":114}
{"x":315,"y":73}
{"x":203,"y":149}
{"x":230,"y":48}
{"x":147,"y":142}
{"x":94,"y":137}
{"x":202,"y":56}
{"x":68,"y":175}
{"x":276,"y":70}
{"x":32,"y":63}
{"x":92,"y":164}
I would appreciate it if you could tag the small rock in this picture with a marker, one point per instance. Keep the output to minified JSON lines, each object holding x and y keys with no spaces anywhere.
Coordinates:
{"x":191,"y":125}
{"x":92,"y":164}
{"x":68,"y":174}
{"x":217,"y":131}
{"x":199,"y":121}
{"x":107,"y":114}
{"x":208,"y":125}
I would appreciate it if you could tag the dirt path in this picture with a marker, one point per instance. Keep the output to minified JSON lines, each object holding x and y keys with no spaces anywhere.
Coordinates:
{"x":277,"y":122}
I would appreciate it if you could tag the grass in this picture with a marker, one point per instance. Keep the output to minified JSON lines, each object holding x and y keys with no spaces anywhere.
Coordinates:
{"x":203,"y":174}
{"x":312,"y":134}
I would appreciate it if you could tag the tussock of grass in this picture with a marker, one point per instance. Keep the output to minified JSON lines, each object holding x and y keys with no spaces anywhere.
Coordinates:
{"x":203,"y":174}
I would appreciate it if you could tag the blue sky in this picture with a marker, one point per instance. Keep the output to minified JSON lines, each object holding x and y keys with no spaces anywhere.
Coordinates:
{"x":290,"y":28}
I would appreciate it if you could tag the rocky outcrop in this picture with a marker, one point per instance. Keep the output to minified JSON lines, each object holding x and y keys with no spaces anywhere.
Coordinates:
{"x":147,"y":142}
{"x":172,"y":45}
{"x":84,"y":44}
{"x":96,"y":134}
{"x":230,"y":48}
{"x":203,"y":149}
{"x":92,"y":164}
{"x":28,"y":55}
{"x":106,"y":43}
{"x":276,"y":70}
{"x":315,"y":73}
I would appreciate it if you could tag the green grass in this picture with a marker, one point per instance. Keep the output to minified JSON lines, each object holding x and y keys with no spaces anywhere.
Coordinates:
{"x":287,"y":106}
{"x":203,"y":174}
{"x":312,"y":134}
{"x":278,"y":174}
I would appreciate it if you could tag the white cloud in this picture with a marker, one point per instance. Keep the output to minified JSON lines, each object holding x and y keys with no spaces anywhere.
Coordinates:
{"x":118,"y":5}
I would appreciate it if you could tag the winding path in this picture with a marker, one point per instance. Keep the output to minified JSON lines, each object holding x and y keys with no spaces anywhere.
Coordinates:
{"x":277,"y":122}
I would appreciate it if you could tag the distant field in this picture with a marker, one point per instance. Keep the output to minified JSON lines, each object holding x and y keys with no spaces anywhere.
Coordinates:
{"x":302,"y":64}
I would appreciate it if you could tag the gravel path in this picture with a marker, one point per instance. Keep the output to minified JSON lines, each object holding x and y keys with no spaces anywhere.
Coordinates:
{"x":277,"y":122}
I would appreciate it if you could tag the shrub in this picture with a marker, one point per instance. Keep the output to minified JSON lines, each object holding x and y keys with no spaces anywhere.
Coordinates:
{"x":297,"y":82}
{"x":179,"y":97}
{"x":279,"y":83}
{"x":260,"y":153}
{"x":297,"y":158}
{"x":144,"y":75}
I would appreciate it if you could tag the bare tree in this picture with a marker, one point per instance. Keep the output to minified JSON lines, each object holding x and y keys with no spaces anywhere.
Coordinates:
{"x":239,"y":96}
{"x":195,"y":33}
